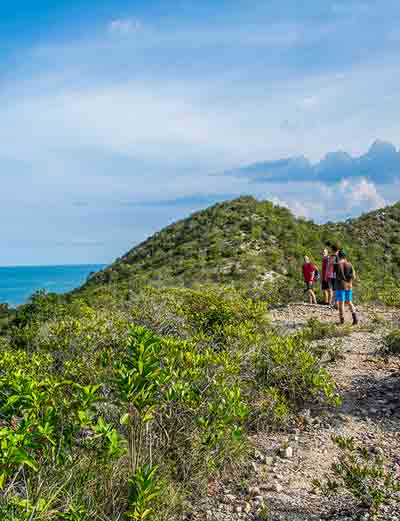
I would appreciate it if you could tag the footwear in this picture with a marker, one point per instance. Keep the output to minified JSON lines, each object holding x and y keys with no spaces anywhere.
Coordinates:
{"x":341,"y":320}
{"x":355,"y":319}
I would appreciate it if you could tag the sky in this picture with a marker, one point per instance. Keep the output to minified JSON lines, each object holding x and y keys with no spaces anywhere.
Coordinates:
{"x":120,"y":117}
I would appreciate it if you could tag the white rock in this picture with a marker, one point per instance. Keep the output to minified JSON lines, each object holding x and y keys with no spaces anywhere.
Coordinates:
{"x":277,"y":487}
{"x":259,"y":455}
{"x":287,"y":452}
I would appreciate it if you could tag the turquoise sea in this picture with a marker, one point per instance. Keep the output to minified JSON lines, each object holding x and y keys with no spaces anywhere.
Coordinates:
{"x":18,"y":283}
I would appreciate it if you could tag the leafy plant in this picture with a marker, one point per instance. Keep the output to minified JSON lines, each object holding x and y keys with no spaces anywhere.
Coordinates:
{"x":287,"y":365}
{"x":317,"y":330}
{"x":142,"y":491}
{"x":391,"y":343}
{"x":363,"y":474}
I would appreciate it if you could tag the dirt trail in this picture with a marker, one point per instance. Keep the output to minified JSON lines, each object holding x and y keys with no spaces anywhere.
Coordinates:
{"x":370,"y":413}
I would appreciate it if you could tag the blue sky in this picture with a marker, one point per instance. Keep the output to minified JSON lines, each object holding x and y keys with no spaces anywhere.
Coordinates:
{"x":119,"y":117}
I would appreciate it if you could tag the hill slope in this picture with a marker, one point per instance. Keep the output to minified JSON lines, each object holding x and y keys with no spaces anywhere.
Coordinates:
{"x":249,"y":243}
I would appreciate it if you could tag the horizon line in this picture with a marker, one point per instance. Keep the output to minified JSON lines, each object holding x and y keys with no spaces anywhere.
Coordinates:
{"x":52,"y":265}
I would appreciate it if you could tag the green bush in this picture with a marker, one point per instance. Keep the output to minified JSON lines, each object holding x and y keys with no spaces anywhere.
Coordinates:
{"x":288,"y":365}
{"x":109,"y":411}
{"x":93,"y":388}
{"x":317,"y":330}
{"x":391,"y":343}
{"x":363,"y":474}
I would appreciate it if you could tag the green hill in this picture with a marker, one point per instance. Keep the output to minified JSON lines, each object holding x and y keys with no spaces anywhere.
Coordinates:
{"x":254,"y":244}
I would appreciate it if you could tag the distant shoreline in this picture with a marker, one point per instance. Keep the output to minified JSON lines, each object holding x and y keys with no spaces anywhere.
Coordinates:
{"x":19,"y":283}
{"x":51,"y":265}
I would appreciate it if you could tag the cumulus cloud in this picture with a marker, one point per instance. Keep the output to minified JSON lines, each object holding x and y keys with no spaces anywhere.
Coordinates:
{"x":99,"y":135}
{"x":320,"y":202}
{"x":381,"y":163}
{"x":363,"y":193}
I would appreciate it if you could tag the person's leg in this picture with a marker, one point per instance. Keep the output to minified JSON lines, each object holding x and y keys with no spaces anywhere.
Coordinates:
{"x":341,"y":311}
{"x":349,"y":302}
{"x":313,"y":297}
{"x":330,"y":292}
{"x":340,"y":303}
{"x":333,"y":294}
{"x":325,"y":292}
{"x":307,"y":292}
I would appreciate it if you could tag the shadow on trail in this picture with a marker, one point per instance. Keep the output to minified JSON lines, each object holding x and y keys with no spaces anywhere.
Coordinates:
{"x":375,"y":398}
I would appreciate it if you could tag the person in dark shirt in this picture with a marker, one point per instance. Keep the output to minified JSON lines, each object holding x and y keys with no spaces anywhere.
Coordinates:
{"x":326,"y":284}
{"x":309,"y":278}
{"x":344,"y":276}
{"x":333,"y":260}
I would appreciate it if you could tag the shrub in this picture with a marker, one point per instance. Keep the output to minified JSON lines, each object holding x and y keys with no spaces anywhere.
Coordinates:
{"x":363,"y":474}
{"x":391,"y":343}
{"x":116,"y":407}
{"x":317,"y":330}
{"x":288,"y":365}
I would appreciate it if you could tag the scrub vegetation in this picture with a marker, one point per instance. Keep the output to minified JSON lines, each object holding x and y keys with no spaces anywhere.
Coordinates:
{"x":122,"y":399}
{"x":122,"y":411}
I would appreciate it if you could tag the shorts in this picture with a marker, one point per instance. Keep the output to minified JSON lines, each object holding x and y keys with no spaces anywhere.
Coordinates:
{"x":309,"y":285}
{"x":327,"y":284}
{"x":344,"y":295}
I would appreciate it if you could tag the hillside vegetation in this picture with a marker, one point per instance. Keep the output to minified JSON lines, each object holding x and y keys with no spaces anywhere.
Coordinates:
{"x":128,"y":398}
{"x":255,"y":245}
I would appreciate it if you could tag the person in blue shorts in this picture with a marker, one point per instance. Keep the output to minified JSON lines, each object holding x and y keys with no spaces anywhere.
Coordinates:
{"x":345,"y":274}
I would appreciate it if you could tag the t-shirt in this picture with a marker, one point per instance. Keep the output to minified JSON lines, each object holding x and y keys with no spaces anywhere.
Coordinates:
{"x":308,"y":271}
{"x":331,"y":266}
{"x":344,"y":275}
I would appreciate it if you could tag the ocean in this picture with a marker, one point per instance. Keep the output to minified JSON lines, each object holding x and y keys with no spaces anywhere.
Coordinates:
{"x":18,"y":283}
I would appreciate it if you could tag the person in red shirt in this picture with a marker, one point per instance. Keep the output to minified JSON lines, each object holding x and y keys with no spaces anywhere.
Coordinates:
{"x":309,"y":277}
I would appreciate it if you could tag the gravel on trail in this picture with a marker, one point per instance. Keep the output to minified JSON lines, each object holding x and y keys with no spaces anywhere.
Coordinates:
{"x":284,"y":465}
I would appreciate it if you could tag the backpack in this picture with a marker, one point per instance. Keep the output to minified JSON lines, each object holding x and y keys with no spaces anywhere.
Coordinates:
{"x":316,"y":274}
{"x":344,"y":272}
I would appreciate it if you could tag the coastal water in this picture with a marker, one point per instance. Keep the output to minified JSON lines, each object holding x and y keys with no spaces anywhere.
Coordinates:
{"x":18,"y":283}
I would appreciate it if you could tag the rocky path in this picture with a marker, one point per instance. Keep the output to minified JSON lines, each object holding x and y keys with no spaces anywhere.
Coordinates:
{"x":284,"y":466}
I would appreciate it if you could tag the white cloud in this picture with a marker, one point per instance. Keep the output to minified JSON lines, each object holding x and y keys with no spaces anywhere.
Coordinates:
{"x":361,"y":192}
{"x":323,"y":203}
{"x":124,"y":26}
{"x":176,"y":110}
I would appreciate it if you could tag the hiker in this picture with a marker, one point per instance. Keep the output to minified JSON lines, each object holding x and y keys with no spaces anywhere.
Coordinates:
{"x":326,"y":280}
{"x":309,"y":272}
{"x":345,"y":275}
{"x":333,"y":260}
